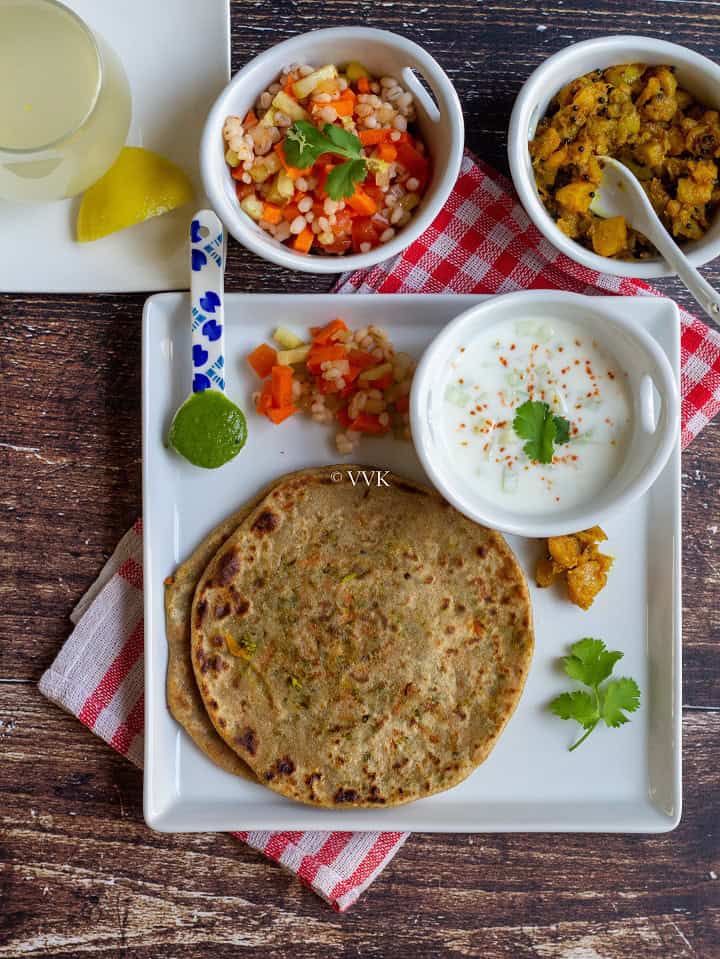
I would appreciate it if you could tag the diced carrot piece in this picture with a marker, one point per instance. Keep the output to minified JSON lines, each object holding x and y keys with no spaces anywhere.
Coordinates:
{"x":383,"y":382}
{"x":262,"y":359}
{"x":244,"y":189}
{"x":370,"y":138}
{"x":343,"y":108}
{"x":290,"y":212}
{"x":361,"y":359}
{"x":324,"y":334}
{"x":282,"y":380}
{"x":351,"y":375}
{"x":361,"y":202}
{"x":288,"y":88}
{"x":324,"y":354}
{"x":386,"y":152}
{"x":265,"y":399}
{"x":278,"y":414}
{"x":348,"y":94}
{"x":363,"y":85}
{"x":402,"y":404}
{"x":250,"y":120}
{"x":292,"y":171}
{"x":303,"y":241}
{"x":272,"y":213}
{"x":368,"y":423}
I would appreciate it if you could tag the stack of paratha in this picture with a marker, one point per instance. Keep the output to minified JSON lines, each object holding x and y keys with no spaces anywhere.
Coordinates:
{"x":348,"y":643}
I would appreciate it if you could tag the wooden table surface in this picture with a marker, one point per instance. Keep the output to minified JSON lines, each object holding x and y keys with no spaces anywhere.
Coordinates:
{"x":80,"y":874}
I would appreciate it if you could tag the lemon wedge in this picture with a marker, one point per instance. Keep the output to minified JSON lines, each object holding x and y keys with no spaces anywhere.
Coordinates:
{"x":140,"y":185}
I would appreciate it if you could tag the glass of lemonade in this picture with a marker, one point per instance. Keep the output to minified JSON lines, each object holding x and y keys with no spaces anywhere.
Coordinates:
{"x":64,"y":102}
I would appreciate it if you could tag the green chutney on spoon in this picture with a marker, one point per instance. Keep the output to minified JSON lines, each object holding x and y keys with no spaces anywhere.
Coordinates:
{"x":208,"y":429}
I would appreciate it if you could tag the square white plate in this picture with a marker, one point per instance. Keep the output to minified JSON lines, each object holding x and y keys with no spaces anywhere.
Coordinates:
{"x":621,"y":780}
{"x":176,"y":54}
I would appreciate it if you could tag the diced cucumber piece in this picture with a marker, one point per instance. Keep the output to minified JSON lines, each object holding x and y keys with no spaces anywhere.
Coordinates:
{"x":282,"y":189}
{"x":456,"y":395}
{"x":304,"y":87}
{"x":291,"y":108}
{"x":297,"y":355}
{"x":354,"y":70}
{"x":232,"y":159}
{"x":510,"y":481}
{"x":252,"y":206}
{"x":284,"y":185}
{"x":268,"y":119}
{"x":287,"y":339}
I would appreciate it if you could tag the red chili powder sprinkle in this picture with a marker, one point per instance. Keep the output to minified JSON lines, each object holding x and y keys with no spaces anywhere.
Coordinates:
{"x":503,"y":361}
{"x":611,"y":375}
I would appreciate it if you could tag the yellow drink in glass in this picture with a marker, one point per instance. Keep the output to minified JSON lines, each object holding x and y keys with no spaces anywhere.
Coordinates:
{"x":64,"y":102}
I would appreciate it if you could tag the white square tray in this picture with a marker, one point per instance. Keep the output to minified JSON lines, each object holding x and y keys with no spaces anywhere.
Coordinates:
{"x":621,"y":780}
{"x":176,"y":54}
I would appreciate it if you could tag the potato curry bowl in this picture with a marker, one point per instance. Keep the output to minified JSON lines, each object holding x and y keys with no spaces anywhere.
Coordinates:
{"x":652,"y":105}
{"x":641,"y":116}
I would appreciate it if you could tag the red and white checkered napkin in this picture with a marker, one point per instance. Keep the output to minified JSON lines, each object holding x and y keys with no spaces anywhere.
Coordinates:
{"x":482,"y":242}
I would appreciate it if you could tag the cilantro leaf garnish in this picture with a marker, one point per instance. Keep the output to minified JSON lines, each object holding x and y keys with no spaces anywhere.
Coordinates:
{"x":591,"y":663}
{"x":535,"y":422}
{"x":305,"y":143}
{"x":620,"y":694}
{"x":341,"y":180}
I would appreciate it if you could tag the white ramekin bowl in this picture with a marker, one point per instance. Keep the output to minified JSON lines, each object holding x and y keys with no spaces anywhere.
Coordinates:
{"x":696,"y":73}
{"x":651,"y":383}
{"x":383,"y":53}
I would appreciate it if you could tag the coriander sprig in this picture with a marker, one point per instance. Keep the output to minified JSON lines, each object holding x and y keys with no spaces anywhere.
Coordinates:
{"x":535,"y":422}
{"x":591,"y":663}
{"x":304,"y":144}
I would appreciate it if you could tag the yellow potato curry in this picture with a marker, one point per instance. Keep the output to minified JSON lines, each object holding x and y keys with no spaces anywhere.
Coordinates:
{"x":576,"y":559}
{"x":639,"y":115}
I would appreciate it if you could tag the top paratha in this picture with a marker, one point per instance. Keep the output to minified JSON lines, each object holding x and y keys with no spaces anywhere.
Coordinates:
{"x":358,"y":644}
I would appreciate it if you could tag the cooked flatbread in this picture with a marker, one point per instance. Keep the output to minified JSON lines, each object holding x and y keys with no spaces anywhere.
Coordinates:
{"x":360,"y":645}
{"x":183,"y":698}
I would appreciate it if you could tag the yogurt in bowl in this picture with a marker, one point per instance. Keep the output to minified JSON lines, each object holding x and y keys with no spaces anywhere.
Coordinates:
{"x":537,"y":413}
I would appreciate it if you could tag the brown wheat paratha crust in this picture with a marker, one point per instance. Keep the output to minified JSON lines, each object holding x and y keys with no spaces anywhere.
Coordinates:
{"x":360,"y":645}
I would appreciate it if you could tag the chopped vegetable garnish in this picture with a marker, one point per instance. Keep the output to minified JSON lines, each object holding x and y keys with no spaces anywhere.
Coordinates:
{"x":535,"y":422}
{"x":356,"y":378}
{"x":591,"y":663}
{"x":324,"y":148}
{"x":262,"y":359}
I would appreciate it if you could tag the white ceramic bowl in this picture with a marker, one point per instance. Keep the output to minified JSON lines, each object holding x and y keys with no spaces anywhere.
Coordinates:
{"x":384,"y":54}
{"x":636,"y":353}
{"x":696,"y":73}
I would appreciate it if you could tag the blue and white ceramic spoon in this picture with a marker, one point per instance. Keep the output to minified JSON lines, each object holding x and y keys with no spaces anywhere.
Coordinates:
{"x":207,"y":297}
{"x":208,"y":429}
